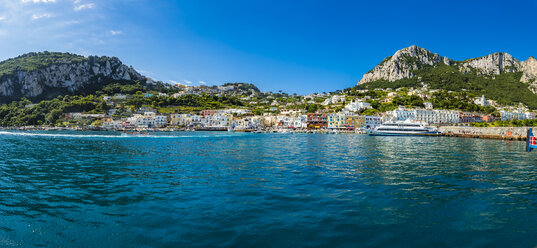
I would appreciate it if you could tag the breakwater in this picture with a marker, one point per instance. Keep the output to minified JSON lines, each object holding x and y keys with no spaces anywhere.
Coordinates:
{"x":505,"y":133}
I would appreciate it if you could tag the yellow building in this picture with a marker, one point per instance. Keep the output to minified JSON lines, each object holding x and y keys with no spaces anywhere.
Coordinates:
{"x":336,"y":121}
{"x":354,"y":121}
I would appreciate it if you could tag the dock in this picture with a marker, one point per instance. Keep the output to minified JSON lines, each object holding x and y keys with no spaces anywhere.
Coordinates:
{"x":502,"y":133}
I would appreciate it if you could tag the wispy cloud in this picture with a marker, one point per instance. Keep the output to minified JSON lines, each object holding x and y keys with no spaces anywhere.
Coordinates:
{"x":60,"y":27}
{"x":115,"y":32}
{"x":84,"y":6}
{"x":187,"y":82}
{"x":38,"y":1}
{"x":203,"y":83}
{"x":41,"y":16}
{"x":173,"y":82}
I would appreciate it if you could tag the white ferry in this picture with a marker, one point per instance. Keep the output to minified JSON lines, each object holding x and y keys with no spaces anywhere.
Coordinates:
{"x":404,"y":128}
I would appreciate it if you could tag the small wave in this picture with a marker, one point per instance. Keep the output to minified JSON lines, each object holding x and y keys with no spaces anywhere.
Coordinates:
{"x":107,"y":136}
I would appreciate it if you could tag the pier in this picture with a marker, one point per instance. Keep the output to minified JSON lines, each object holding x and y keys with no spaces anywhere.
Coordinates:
{"x":503,"y":133}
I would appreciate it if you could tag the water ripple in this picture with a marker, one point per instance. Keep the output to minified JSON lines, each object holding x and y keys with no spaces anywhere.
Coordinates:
{"x":94,"y":189}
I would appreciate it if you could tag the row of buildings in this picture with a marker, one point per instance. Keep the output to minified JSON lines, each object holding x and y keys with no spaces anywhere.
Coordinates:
{"x":342,"y":120}
{"x":519,"y":114}
{"x":452,"y":116}
{"x":241,"y":119}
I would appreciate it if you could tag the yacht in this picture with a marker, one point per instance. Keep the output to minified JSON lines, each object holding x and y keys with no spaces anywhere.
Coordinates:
{"x":404,"y":128}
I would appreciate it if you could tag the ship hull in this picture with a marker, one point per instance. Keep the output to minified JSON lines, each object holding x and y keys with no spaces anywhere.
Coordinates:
{"x":404,"y":134}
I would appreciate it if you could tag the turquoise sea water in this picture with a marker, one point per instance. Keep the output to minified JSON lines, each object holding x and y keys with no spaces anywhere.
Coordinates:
{"x":97,"y":189}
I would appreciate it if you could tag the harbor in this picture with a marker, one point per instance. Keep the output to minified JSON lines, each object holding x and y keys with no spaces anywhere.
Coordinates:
{"x":282,"y":188}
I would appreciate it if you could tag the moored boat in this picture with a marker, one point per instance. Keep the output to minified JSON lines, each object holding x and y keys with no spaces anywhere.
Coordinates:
{"x":405,"y":128}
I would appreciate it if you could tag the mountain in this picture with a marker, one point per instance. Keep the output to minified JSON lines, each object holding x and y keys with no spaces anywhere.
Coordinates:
{"x":405,"y":62}
{"x":46,"y":75}
{"x":499,"y":76}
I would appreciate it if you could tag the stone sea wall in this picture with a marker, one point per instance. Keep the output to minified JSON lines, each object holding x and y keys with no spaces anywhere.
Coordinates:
{"x":507,"y":133}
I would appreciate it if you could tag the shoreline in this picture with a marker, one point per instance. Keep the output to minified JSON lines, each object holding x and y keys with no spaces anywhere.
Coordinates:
{"x":498,"y":133}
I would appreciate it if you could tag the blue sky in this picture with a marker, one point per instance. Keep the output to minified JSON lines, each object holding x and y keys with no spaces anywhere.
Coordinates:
{"x":296,"y":46}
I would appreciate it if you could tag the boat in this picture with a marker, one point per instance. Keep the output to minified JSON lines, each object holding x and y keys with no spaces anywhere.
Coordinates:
{"x":404,"y":128}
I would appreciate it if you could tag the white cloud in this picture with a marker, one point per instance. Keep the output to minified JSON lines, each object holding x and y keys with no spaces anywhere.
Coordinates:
{"x":187,"y":82}
{"x":173,"y":82}
{"x":59,"y":27}
{"x":203,"y":83}
{"x":41,"y":16}
{"x":84,"y":6}
{"x":38,"y":1}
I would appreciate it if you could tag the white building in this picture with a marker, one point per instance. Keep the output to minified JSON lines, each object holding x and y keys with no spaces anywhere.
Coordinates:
{"x":402,"y":114}
{"x":372,"y":121}
{"x":355,"y":106}
{"x":516,"y":115}
{"x":508,"y":116}
{"x":217,"y":120}
{"x":334,"y":100}
{"x":249,"y":122}
{"x":113,"y":124}
{"x":482,"y":101}
{"x":180,"y":120}
{"x":161,"y":121}
{"x":425,"y":115}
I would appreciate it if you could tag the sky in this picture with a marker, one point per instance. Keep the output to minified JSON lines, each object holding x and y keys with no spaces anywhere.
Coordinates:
{"x":299,"y":46}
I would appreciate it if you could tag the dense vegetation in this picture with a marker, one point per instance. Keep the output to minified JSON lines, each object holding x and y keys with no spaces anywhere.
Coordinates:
{"x":441,"y":100}
{"x":512,"y":123}
{"x":202,"y":101}
{"x":34,"y":61}
{"x":23,"y":113}
{"x":52,"y":112}
{"x":505,"y":88}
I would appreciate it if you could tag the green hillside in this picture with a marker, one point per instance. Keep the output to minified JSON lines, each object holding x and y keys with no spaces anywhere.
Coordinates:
{"x":505,"y":88}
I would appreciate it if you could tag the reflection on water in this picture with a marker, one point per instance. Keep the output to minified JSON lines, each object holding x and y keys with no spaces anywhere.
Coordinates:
{"x":222,"y":189}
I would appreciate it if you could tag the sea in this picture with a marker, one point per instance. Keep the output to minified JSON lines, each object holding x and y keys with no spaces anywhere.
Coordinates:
{"x":223,"y":189}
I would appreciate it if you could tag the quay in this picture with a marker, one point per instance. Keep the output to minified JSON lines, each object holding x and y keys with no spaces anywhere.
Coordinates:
{"x":503,"y":133}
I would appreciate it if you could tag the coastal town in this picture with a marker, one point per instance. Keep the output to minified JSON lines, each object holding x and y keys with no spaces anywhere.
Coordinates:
{"x":338,"y":111}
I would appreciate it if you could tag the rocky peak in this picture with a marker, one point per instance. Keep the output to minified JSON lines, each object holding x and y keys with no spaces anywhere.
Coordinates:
{"x":32,"y":74}
{"x":529,"y":68}
{"x":492,"y":64}
{"x":403,"y":63}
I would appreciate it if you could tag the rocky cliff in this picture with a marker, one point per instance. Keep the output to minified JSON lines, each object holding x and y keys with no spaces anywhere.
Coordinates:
{"x":404,"y":64}
{"x":32,"y":75}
